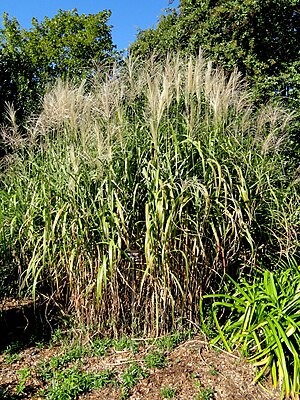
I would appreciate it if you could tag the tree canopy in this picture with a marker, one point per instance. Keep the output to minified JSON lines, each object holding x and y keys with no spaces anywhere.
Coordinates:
{"x":67,"y":45}
{"x":260,"y":38}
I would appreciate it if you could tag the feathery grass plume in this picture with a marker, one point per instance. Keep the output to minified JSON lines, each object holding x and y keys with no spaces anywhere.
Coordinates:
{"x":167,"y":159}
{"x":10,"y":135}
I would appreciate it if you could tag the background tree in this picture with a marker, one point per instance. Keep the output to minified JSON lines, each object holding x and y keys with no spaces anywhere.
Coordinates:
{"x":67,"y":45}
{"x":260,"y":38}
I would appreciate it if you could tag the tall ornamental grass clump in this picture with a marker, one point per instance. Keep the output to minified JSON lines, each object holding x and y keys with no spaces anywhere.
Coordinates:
{"x":133,"y":199}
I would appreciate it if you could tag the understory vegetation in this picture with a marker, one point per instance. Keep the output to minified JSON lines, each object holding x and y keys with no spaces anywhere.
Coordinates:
{"x":127,"y":202}
{"x":65,"y":376}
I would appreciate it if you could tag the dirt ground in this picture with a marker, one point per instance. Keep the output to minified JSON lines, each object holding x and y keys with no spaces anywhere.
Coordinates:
{"x":193,"y":371}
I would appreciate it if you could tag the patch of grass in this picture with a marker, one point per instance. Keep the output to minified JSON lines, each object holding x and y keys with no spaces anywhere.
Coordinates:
{"x":99,"y":347}
{"x":58,"y":336}
{"x":130,"y":377}
{"x":24,"y":374}
{"x":64,"y":378}
{"x":155,"y":359}
{"x":125,"y":343}
{"x":40,"y":344}
{"x":12,"y":358}
{"x":169,"y":342}
{"x":214,"y":371}
{"x":76,"y":353}
{"x":69,"y":383}
{"x":205,"y":394}
{"x":12,"y":353}
{"x":52,"y":370}
{"x":73,"y":355}
{"x":168,"y":392}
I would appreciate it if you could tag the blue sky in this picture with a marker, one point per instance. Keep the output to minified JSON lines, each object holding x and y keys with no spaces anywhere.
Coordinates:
{"x":127,"y":15}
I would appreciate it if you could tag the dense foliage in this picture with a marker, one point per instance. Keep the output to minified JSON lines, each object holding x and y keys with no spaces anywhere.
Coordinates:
{"x":133,"y":199}
{"x":259,"y":38}
{"x":264,"y":323}
{"x":67,"y":45}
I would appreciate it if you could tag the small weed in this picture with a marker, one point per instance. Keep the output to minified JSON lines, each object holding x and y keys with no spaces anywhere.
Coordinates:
{"x":74,"y":354}
{"x":99,"y":347}
{"x":205,"y":394}
{"x":24,"y":375}
{"x":155,"y":360}
{"x":214,"y":371}
{"x":13,"y":348}
{"x":104,"y":378}
{"x":12,"y":358}
{"x":169,"y":342}
{"x":168,"y":392}
{"x":40,"y":345}
{"x":57,"y":336}
{"x":11,"y":353}
{"x":125,"y":343}
{"x":44,"y":371}
{"x":130,"y":378}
